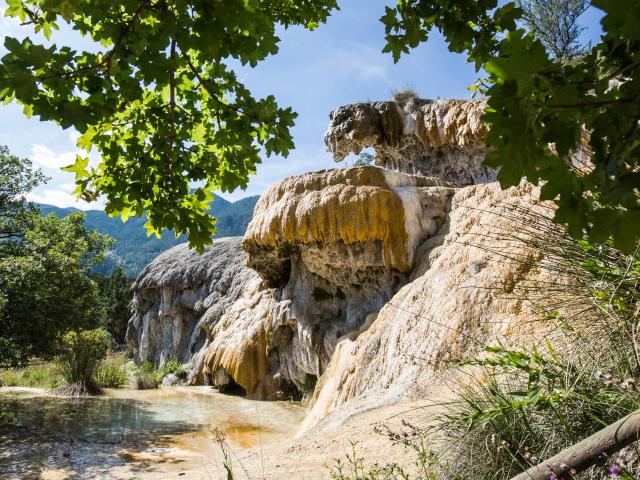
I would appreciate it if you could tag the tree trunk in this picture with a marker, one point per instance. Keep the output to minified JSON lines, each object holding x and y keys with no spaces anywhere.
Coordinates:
{"x":588,"y":452}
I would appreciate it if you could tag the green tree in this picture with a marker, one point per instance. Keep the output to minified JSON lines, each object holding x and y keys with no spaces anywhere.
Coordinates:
{"x":46,"y":287}
{"x":161,"y":101}
{"x":17,"y":178}
{"x":541,"y":108}
{"x":115,"y":295}
{"x":365,"y":158}
{"x":555,"y":23}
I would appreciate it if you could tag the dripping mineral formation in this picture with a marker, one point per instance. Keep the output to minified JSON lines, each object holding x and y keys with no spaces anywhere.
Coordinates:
{"x":351,"y":286}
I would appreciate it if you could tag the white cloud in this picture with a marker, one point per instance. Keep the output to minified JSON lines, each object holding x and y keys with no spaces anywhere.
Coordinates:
{"x":62,"y":199}
{"x":47,"y":158}
{"x":73,"y":136}
{"x":9,"y":25}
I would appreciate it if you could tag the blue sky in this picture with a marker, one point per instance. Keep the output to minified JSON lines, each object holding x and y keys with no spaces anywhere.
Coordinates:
{"x":314,"y":72}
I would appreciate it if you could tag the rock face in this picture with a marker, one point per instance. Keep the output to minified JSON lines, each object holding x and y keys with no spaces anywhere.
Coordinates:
{"x":468,"y":288}
{"x":181,"y":295}
{"x":334,"y":246}
{"x":439,"y":138}
{"x":329,"y":248}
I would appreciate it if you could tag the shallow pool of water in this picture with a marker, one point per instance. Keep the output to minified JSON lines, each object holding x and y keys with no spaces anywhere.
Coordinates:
{"x":125,"y":415}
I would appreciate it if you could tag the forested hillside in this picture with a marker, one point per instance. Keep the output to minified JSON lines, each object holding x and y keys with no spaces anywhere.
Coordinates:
{"x":134,"y":249}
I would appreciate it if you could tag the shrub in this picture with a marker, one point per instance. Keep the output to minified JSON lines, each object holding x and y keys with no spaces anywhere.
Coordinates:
{"x":111,"y":376}
{"x":526,"y":406}
{"x":524,"y":403}
{"x":172,"y":366}
{"x":80,"y":354}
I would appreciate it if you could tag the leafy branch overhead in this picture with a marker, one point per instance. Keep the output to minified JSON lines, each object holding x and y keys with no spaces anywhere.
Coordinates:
{"x":165,"y":110}
{"x":160,"y":102}
{"x":541,"y":108}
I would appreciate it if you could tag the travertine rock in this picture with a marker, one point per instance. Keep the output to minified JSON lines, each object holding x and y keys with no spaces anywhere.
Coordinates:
{"x":352,"y":208}
{"x":365,"y":278}
{"x":337,"y":244}
{"x":464,"y":291}
{"x":332,"y":247}
{"x":438,"y":138}
{"x":181,"y":295}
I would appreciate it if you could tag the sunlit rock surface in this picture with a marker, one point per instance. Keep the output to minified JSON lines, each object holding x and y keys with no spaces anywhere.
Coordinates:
{"x":333,"y":247}
{"x":439,"y":138}
{"x":353,"y":286}
{"x":181,"y":295}
{"x":326,"y":250}
{"x":468,"y":287}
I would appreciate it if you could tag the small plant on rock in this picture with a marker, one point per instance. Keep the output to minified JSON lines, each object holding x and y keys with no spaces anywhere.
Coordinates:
{"x":174,"y":367}
{"x":146,"y":377}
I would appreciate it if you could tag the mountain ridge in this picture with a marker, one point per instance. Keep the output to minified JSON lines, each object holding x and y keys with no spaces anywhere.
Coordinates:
{"x":134,"y":249}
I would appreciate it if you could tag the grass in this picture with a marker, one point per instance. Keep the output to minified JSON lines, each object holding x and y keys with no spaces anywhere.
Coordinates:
{"x":80,"y":354}
{"x":522,"y":403}
{"x":112,"y":372}
{"x":39,"y":374}
{"x":149,"y":376}
{"x":48,"y":375}
{"x":172,"y":367}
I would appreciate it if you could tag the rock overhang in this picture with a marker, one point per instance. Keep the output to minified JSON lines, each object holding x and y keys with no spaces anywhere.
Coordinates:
{"x":366,"y":213}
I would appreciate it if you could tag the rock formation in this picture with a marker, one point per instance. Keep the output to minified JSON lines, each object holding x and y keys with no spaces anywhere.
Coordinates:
{"x":336,"y":244}
{"x":366,"y":280}
{"x":469,"y":287}
{"x":181,"y":295}
{"x":440,"y":138}
{"x":329,"y":249}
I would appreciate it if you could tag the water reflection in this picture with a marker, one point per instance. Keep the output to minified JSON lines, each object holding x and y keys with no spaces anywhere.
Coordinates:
{"x":97,"y":419}
{"x":125,"y":414}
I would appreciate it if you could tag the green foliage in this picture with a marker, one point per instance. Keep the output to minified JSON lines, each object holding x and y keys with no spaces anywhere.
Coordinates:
{"x":115,"y":297}
{"x":520,"y":405}
{"x":541,"y":107}
{"x":365,"y":158}
{"x":148,"y":375}
{"x":531,"y":405}
{"x":112,"y":372}
{"x":160,"y":100}
{"x":146,"y":380}
{"x":37,"y":374}
{"x":17,"y":178}
{"x":45,"y":285}
{"x":79,"y":356}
